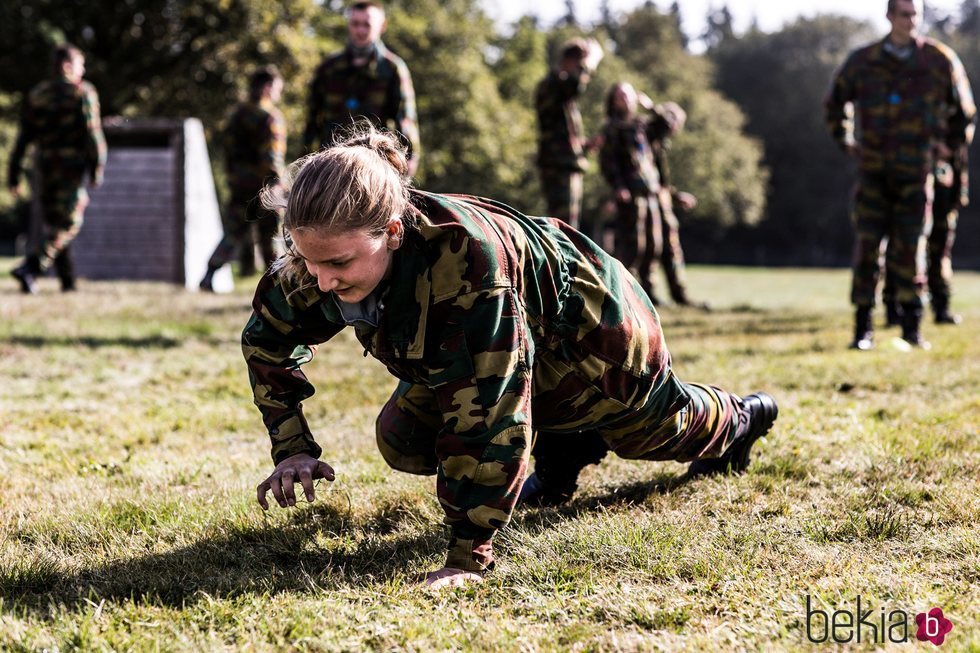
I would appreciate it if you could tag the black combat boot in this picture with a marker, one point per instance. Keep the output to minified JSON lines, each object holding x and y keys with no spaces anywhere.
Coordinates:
{"x":863,"y":329}
{"x":207,"y":283}
{"x":27,"y":274}
{"x":558,"y":461}
{"x":940,"y":307}
{"x":759,"y":412}
{"x":893,"y":313}
{"x":911,"y":320}
{"x":64,"y":265}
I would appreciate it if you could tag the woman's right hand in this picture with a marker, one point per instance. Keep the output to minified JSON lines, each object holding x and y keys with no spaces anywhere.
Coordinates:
{"x":301,"y":467}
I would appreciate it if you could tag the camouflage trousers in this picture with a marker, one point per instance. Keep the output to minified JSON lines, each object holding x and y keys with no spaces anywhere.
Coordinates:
{"x":700,"y":423}
{"x":638,"y":240}
{"x":939,"y":246}
{"x":896,"y":212}
{"x":672,"y":256}
{"x":562,"y":194}
{"x":246,"y":224}
{"x":63,"y":199}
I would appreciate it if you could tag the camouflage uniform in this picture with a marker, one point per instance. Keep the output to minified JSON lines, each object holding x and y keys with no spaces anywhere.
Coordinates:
{"x":627,"y":161}
{"x":62,"y":119}
{"x":951,"y":193}
{"x":561,"y":151}
{"x":380,"y":91}
{"x":255,"y":149}
{"x":672,"y":256}
{"x":501,"y":328}
{"x":905,"y":106}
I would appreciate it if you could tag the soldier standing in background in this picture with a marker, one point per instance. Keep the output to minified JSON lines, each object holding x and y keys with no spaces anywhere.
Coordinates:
{"x":628,"y":164}
{"x":61,"y":117}
{"x":561,"y":143}
{"x":952,"y":192}
{"x":255,"y":149}
{"x":914,"y":106}
{"x":365,"y":80}
{"x":672,"y":257}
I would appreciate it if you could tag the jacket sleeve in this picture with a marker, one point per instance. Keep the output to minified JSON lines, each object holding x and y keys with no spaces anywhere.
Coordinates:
{"x":406,"y":117}
{"x":963,"y":110}
{"x":314,"y":113}
{"x":96,"y":150}
{"x":481,"y":380}
{"x":25,"y":134}
{"x":838,"y":107}
{"x":610,"y":160}
{"x":272,"y":147}
{"x":280,"y":337}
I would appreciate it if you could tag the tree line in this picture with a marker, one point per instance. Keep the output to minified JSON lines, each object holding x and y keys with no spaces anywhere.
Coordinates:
{"x":773,"y":188}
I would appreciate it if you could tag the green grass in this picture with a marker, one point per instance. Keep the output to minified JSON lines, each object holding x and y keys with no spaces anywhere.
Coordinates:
{"x":129,"y":453}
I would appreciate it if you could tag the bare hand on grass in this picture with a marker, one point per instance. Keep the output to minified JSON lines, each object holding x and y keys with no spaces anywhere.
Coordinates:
{"x":451,"y":577}
{"x":301,"y":468}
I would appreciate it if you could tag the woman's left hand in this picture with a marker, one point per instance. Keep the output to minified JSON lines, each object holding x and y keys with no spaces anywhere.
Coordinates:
{"x":451,"y":577}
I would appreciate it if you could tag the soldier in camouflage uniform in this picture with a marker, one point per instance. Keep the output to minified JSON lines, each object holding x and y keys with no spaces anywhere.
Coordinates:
{"x":255,"y":149}
{"x":503,"y":330}
{"x":952,"y":192}
{"x":364,"y":81}
{"x":914,"y":106}
{"x":562,"y":145}
{"x":627,"y":160}
{"x":61,"y":117}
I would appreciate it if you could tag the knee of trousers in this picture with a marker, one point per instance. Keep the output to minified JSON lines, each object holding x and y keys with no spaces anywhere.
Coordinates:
{"x":399,"y":448}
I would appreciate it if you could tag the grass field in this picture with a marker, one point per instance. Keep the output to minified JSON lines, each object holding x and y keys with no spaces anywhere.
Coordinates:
{"x":130,"y":449}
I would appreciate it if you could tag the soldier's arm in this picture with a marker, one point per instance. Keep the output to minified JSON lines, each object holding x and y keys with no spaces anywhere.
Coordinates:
{"x":482,"y":383}
{"x":406,"y":116}
{"x":839,"y":108}
{"x":272,"y":148}
{"x":610,"y":165}
{"x":314,"y":113}
{"x":280,"y":337}
{"x":25,"y":135}
{"x":963,"y":110}
{"x":96,"y":146}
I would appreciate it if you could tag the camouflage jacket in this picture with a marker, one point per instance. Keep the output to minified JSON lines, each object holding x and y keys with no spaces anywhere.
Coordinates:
{"x":627,"y":158}
{"x":380,"y":91}
{"x":904,"y":106}
{"x":560,"y":133}
{"x":514,"y":323}
{"x":255,"y":145}
{"x":62,"y":119}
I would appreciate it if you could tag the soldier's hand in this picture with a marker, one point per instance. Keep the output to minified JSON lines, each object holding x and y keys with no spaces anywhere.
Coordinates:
{"x":450,"y":577}
{"x":686,"y":200}
{"x":14,"y":190}
{"x":302,"y":468}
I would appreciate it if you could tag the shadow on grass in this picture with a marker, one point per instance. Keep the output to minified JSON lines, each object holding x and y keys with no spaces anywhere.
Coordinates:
{"x":321,"y":546}
{"x":94,"y":342}
{"x":237,"y":560}
{"x":623,"y":495}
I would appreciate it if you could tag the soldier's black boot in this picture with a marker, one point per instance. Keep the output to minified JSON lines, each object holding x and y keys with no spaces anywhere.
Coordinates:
{"x":863,"y":329}
{"x":558,"y":461}
{"x":911,"y":321}
{"x":27,"y":273}
{"x":893,"y":313}
{"x":759,"y":412}
{"x":207,"y":283}
{"x":64,"y":265}
{"x":940,"y":307}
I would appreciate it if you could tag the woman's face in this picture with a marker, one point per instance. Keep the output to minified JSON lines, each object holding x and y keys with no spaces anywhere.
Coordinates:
{"x":349,"y":264}
{"x":624,"y":99}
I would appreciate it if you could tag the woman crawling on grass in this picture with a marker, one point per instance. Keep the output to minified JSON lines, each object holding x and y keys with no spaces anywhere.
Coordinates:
{"x":507,"y":333}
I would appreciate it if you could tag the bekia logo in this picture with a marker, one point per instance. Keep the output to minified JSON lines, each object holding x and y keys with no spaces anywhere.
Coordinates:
{"x":842,"y":626}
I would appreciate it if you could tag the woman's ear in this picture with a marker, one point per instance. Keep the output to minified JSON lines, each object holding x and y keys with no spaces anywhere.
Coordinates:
{"x":395,"y":233}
